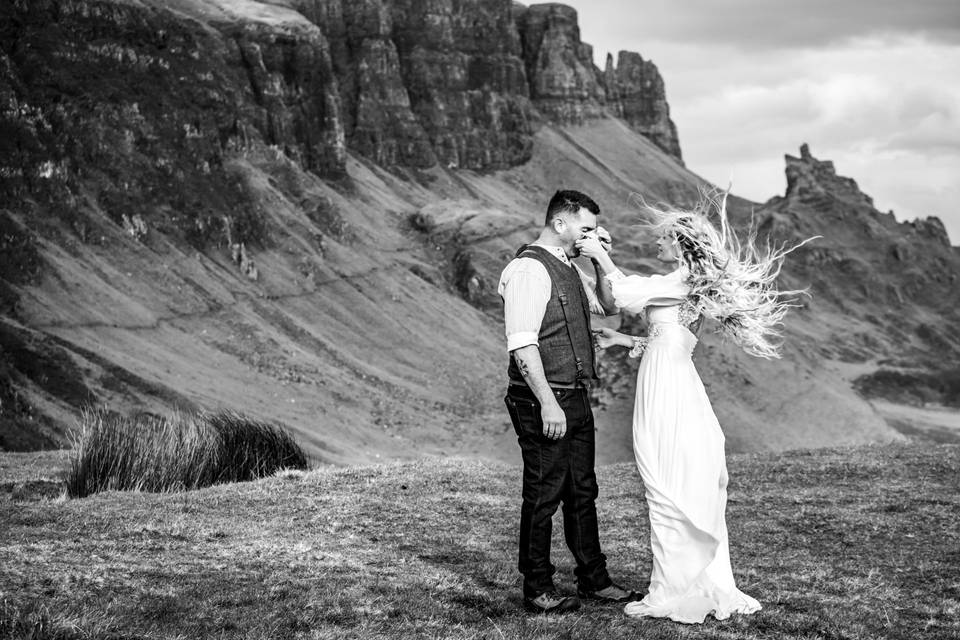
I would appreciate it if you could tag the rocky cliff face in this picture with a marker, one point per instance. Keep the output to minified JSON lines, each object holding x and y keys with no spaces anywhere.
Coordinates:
{"x":376,"y":109}
{"x":636,"y":91}
{"x":404,"y":82}
{"x":567,"y":87}
{"x":103,"y":102}
{"x":463,"y":83}
{"x":461,"y":65}
{"x":428,"y":82}
{"x":424,"y":83}
{"x":564,"y":83}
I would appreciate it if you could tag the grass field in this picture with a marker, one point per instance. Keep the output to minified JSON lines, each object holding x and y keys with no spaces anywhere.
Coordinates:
{"x":842,"y":544}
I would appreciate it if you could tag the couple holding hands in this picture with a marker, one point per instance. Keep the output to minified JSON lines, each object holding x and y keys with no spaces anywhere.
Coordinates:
{"x":678,"y":443}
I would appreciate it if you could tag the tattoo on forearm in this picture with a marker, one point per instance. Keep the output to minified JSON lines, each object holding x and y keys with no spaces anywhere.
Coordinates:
{"x":523,"y":367}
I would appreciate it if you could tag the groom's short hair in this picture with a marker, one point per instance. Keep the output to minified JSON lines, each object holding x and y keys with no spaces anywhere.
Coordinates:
{"x":569,"y":201}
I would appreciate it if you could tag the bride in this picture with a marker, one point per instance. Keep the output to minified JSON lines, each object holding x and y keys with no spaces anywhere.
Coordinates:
{"x":677,"y":441}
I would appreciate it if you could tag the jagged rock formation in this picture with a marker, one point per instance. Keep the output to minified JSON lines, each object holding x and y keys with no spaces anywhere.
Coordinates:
{"x":891,"y":289}
{"x":564,"y":84}
{"x":810,"y":180}
{"x":636,"y":90}
{"x":888,"y":262}
{"x":568,"y":88}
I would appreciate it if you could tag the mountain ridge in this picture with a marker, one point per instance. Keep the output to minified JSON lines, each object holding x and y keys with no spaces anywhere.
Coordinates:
{"x":190,"y":219}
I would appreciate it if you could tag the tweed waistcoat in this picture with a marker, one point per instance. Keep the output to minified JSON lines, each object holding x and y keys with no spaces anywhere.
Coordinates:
{"x":565,"y":341}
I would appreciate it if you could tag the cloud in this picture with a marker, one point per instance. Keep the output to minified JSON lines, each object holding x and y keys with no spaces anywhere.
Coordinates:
{"x":762,"y":24}
{"x":929,"y":123}
{"x":929,"y":139}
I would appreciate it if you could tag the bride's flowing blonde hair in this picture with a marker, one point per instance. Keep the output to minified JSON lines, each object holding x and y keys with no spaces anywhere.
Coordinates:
{"x":732,"y":281}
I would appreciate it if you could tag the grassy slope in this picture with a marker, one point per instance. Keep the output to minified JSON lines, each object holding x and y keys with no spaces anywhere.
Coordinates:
{"x":843,"y":543}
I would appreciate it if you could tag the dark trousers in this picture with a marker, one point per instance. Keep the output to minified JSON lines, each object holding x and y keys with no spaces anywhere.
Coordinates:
{"x":555,"y":472}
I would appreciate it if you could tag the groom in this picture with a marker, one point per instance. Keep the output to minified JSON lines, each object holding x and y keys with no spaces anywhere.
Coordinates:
{"x":547,"y":317}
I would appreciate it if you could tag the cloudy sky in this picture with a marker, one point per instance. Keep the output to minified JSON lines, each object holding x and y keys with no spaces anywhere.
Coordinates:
{"x":873,"y":85}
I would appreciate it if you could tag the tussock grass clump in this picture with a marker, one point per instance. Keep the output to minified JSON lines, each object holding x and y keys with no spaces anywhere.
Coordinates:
{"x":185,"y":451}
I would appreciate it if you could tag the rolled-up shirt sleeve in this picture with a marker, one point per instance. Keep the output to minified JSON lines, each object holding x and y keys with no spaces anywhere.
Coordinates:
{"x":525,"y":289}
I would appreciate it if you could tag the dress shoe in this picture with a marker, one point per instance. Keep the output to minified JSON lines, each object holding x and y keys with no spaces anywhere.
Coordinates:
{"x":551,"y":602}
{"x":612,"y":593}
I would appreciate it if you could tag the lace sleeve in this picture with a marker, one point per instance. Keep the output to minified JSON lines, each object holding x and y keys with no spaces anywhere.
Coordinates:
{"x":688,"y":315}
{"x":639,"y":346}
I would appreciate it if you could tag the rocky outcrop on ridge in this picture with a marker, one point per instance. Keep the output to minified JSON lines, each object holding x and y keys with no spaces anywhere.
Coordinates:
{"x":891,"y":288}
{"x":810,"y":179}
{"x":865,"y":253}
{"x":815,"y":183}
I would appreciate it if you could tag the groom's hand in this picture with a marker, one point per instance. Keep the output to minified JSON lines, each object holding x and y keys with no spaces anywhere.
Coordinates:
{"x":554,"y":420}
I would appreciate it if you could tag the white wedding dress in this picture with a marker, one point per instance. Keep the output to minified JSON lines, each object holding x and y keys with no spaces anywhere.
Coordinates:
{"x":679,"y":448}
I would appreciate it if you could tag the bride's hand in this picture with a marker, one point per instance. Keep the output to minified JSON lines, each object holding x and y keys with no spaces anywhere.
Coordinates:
{"x":590,"y":247}
{"x":606,"y":338}
{"x":605,"y":240}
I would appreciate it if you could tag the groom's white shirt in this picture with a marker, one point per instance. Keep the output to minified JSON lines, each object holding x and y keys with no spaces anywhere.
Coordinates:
{"x":525,"y":289}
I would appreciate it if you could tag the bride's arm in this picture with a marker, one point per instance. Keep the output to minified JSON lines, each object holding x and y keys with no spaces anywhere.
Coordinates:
{"x":592,"y":248}
{"x":634,"y":292}
{"x":607,"y":338}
